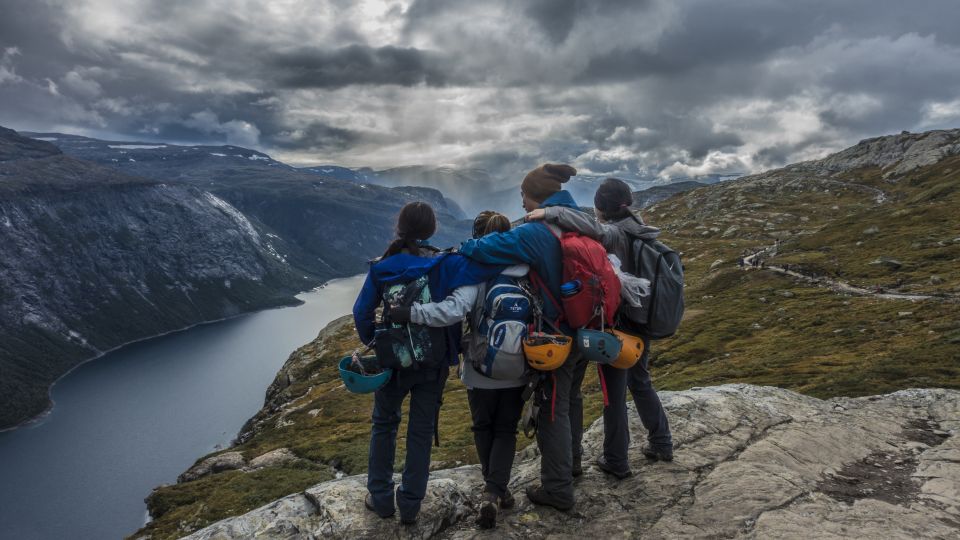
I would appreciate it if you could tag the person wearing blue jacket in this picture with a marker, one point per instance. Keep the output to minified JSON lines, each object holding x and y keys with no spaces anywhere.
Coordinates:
{"x":560,"y":421}
{"x":406,"y":259}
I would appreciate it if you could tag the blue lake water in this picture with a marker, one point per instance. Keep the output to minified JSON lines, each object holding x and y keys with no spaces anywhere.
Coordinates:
{"x":139,"y":416}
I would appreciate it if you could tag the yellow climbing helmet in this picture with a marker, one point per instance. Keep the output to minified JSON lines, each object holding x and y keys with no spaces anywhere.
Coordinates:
{"x":630,"y":353}
{"x":546,"y":352}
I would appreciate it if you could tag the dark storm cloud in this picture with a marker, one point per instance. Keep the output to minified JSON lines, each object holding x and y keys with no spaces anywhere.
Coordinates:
{"x":686,"y":87}
{"x":354,"y":64}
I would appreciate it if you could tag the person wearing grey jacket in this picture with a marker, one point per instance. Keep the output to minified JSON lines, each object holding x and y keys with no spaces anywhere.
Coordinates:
{"x":495,"y":404}
{"x":617,"y":230}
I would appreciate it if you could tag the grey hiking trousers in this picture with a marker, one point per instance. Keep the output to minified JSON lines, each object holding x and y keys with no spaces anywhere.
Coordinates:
{"x":560,"y":425}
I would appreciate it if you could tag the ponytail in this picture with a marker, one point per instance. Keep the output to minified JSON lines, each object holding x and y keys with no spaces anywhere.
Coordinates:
{"x":415,"y":224}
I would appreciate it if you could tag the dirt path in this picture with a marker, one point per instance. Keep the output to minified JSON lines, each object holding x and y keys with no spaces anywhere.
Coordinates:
{"x":751,"y":262}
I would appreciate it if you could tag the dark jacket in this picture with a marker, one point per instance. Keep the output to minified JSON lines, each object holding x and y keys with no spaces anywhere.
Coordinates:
{"x":533,"y":244}
{"x":445,"y":272}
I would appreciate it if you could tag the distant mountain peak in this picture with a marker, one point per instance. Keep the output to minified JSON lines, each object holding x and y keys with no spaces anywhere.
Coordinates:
{"x":14,"y":146}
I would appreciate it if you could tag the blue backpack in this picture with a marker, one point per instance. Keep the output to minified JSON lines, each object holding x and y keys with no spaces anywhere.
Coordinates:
{"x":494,"y":345}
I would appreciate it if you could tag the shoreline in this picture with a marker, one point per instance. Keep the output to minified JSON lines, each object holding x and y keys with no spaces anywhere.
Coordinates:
{"x":40,"y":417}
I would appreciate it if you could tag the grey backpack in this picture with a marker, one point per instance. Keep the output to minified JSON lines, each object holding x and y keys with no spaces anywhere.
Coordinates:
{"x":659,"y":315}
{"x":494,"y":344}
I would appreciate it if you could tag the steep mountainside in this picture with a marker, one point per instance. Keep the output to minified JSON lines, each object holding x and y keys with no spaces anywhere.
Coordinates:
{"x":857,"y":282}
{"x":793,"y":327}
{"x":324,"y":225}
{"x":93,"y":258}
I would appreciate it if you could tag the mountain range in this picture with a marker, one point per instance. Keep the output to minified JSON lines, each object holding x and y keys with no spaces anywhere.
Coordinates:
{"x":475,"y":189}
{"x":109,"y":242}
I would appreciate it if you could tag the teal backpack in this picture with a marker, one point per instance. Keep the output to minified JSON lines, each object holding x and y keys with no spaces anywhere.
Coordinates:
{"x":408,"y":346}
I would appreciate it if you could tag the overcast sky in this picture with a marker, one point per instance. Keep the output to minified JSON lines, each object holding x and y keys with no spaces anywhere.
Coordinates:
{"x":669,"y":87}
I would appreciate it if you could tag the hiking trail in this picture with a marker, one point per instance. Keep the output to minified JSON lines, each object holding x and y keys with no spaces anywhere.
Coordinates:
{"x":751,"y":262}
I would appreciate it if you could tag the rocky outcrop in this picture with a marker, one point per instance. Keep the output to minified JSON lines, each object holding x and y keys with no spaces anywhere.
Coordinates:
{"x":895,"y":154}
{"x":751,"y":462}
{"x":234,"y":461}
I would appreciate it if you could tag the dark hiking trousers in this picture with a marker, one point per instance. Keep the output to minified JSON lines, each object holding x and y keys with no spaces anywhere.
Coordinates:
{"x":616,"y":430}
{"x":560,"y":426}
{"x":495,"y":413}
{"x":426,"y":390}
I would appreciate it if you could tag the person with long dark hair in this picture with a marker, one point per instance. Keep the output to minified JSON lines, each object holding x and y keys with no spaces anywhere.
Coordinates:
{"x":618,"y":226}
{"x":495,"y":403}
{"x":409,"y":257}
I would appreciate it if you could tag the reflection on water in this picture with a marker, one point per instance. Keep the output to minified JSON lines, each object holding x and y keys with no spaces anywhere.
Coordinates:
{"x":139,"y":416}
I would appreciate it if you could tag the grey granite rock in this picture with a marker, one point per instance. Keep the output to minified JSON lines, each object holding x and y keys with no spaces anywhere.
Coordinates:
{"x":750,"y":462}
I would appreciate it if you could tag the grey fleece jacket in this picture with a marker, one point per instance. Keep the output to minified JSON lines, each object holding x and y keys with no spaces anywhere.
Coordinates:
{"x":617,"y":237}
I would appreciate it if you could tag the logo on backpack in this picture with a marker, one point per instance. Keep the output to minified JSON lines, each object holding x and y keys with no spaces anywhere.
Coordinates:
{"x":498,"y":328}
{"x":657,"y":310}
{"x":408,"y":346}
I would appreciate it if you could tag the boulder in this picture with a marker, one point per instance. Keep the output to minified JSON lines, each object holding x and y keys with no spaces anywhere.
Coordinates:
{"x":892,"y":264}
{"x":273,"y":458}
{"x":750,"y":462}
{"x":226,"y":461}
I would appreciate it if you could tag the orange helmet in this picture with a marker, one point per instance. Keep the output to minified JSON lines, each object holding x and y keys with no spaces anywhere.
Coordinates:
{"x":546,"y":352}
{"x":630,"y":353}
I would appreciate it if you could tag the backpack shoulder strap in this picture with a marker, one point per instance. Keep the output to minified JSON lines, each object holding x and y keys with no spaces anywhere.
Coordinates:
{"x":554,"y":229}
{"x":478,"y":307}
{"x":538,"y":283}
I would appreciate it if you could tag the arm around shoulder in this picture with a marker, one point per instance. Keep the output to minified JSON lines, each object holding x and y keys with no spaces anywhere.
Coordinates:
{"x":450,"y":310}
{"x":585,"y":224}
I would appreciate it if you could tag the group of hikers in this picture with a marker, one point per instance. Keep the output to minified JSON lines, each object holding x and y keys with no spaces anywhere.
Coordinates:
{"x":538,"y":302}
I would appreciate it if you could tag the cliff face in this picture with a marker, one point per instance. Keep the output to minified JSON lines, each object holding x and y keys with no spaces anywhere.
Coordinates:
{"x":93,"y":258}
{"x":751,"y":462}
{"x":323,"y":225}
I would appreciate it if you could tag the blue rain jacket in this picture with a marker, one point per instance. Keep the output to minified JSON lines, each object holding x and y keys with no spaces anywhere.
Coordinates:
{"x":445,"y":272}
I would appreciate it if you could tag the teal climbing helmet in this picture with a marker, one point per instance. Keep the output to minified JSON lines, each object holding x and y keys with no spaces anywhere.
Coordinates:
{"x":598,"y":346}
{"x":366,"y":378}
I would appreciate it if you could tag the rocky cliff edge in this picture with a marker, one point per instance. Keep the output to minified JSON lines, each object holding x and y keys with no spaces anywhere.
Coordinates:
{"x":751,"y":462}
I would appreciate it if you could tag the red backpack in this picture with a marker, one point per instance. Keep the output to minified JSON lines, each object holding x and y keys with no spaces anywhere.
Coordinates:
{"x":585,"y":260}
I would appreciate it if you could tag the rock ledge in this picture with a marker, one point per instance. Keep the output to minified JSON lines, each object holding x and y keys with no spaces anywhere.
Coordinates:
{"x":751,"y":462}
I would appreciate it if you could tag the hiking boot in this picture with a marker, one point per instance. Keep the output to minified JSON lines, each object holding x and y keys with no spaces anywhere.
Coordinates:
{"x":577,"y":468}
{"x":542,"y":497}
{"x":605,"y":467}
{"x":658,"y":454}
{"x":487,"y":517}
{"x":368,"y":502}
{"x":507,"y":501}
